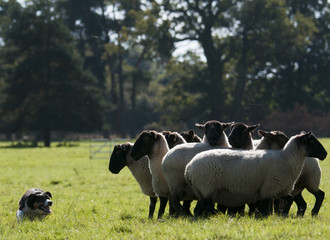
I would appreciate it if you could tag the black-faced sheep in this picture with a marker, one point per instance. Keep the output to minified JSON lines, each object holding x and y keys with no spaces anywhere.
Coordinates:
{"x":154,"y":145}
{"x":175,"y":161}
{"x":309,"y":177}
{"x":190,"y":136}
{"x":139,"y":169}
{"x":240,"y":135}
{"x":213,"y":133}
{"x":236,"y":177}
{"x":173,"y":138}
{"x":239,"y":138}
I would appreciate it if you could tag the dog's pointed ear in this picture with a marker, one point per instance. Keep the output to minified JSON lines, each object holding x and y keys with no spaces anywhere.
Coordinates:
{"x":48,"y":194}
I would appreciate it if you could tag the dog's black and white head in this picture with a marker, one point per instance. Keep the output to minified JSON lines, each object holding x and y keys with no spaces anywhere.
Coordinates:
{"x":35,"y":203}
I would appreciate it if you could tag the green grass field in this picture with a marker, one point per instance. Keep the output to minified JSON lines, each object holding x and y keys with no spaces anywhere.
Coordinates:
{"x":91,"y":203}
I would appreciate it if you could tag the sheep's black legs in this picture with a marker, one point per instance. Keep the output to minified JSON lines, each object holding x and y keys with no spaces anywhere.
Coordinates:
{"x":186,"y":208}
{"x":263,"y":207}
{"x":152,"y":206}
{"x":301,"y":204}
{"x":222,"y":208}
{"x":232,"y":211}
{"x":176,"y":206}
{"x":319,"y":195}
{"x":289,"y":200}
{"x":204,"y":207}
{"x":163,"y":202}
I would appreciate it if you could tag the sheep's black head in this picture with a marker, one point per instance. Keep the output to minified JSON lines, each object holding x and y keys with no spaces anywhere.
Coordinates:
{"x":313,"y":147}
{"x":274,"y":140}
{"x":214,"y":132}
{"x":190,"y":136}
{"x":173,"y":138}
{"x":240,"y":135}
{"x":144,"y":144}
{"x":118,"y":157}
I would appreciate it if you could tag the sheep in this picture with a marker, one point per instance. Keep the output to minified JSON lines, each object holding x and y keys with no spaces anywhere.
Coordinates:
{"x":236,"y":177}
{"x":139,"y":169}
{"x":154,"y":145}
{"x":309,"y":177}
{"x":239,"y":138}
{"x":213,"y":133}
{"x":240,"y":135}
{"x":274,"y":140}
{"x":190,"y":136}
{"x":175,"y":161}
{"x":173,"y":138}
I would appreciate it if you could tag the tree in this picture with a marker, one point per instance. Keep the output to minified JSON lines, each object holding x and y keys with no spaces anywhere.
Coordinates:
{"x":202,"y":21}
{"x":47,"y":87}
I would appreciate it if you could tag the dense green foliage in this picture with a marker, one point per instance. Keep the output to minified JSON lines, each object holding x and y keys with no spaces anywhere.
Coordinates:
{"x":91,"y":203}
{"x":117,"y":66}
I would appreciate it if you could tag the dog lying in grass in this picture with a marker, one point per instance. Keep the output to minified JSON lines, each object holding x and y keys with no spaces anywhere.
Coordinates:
{"x":34,"y":204}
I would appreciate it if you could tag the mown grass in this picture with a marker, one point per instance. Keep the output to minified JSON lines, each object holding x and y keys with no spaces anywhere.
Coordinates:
{"x":91,"y":203}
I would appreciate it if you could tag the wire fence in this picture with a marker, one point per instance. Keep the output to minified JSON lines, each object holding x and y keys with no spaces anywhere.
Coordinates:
{"x":102,"y":148}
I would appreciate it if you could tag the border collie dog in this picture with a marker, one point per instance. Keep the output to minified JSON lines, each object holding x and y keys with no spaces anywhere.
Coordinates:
{"x":34,"y":204}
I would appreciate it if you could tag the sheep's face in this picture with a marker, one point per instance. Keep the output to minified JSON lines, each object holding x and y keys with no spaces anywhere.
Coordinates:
{"x":144,"y":144}
{"x":118,"y":157}
{"x":213,"y":131}
{"x":274,"y":140}
{"x":190,"y":136}
{"x":173,"y":138}
{"x":313,"y":147}
{"x":240,"y":135}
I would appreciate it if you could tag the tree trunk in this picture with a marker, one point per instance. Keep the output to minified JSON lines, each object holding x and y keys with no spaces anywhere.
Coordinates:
{"x":46,"y":136}
{"x":215,"y":70}
{"x":121,"y":105}
{"x":133,"y":97}
{"x":241,"y":79}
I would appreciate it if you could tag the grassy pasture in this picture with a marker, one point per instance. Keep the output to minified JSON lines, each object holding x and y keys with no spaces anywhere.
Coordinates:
{"x":91,"y":203}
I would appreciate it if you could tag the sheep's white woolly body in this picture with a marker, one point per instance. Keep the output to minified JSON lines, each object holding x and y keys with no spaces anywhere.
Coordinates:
{"x":174,"y":164}
{"x":309,"y":177}
{"x":158,"y":151}
{"x":235,"y":177}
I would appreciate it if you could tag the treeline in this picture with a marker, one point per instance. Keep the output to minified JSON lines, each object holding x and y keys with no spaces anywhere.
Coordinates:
{"x":108,"y":66}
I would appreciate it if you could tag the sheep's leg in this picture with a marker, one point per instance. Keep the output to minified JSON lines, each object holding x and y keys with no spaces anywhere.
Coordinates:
{"x":287,"y":207}
{"x":186,"y":208}
{"x":301,"y":204}
{"x":276,"y":206}
{"x":222,"y":208}
{"x":208,"y":207}
{"x":152,"y":206}
{"x":263,"y":207}
{"x":252,"y":208}
{"x":176,"y":206}
{"x":233,"y":211}
{"x":319,"y":195}
{"x":163,"y":202}
{"x":198,"y":209}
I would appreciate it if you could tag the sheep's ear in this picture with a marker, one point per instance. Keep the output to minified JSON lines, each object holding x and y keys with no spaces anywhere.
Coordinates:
{"x":200,"y":126}
{"x":305,"y":137}
{"x":226,"y":125}
{"x":154,"y":135}
{"x":262,"y":133}
{"x":191,"y":133}
{"x":125,"y":147}
{"x":253,"y":127}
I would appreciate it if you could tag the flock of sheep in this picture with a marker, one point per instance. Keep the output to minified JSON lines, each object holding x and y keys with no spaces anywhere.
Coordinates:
{"x":267,"y":174}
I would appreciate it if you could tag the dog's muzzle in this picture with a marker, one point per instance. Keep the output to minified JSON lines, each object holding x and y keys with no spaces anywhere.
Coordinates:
{"x":48,"y":203}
